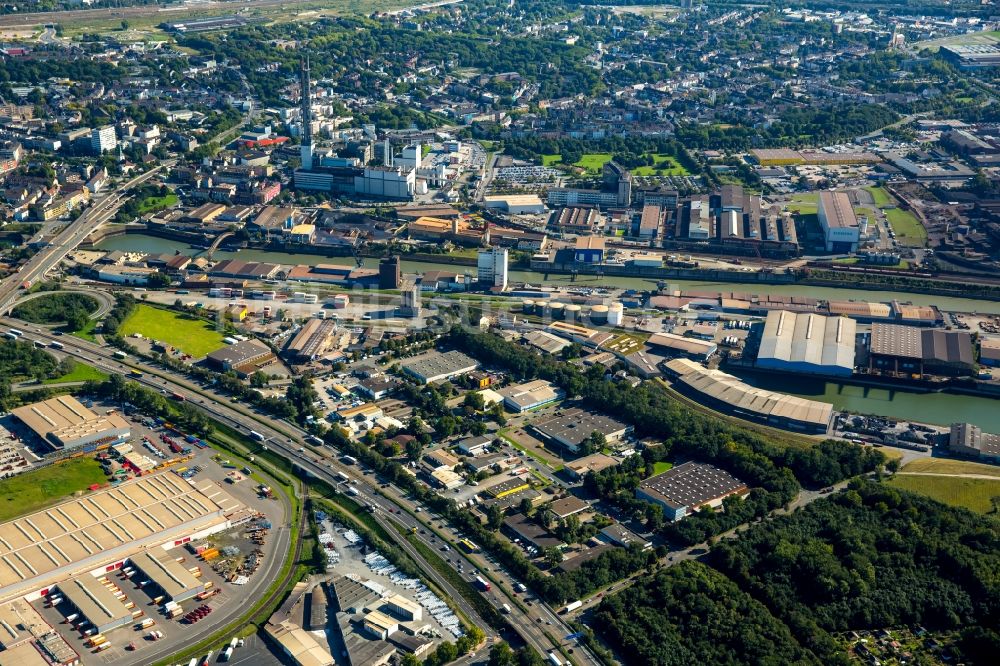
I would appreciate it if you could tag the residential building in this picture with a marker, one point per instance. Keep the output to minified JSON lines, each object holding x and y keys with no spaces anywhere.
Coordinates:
{"x":492,"y":267}
{"x":103,"y":139}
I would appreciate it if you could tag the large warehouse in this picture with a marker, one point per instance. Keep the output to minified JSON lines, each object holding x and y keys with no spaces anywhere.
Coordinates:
{"x":94,"y":601}
{"x":907,"y":350}
{"x":807,"y":343}
{"x":63,"y":423}
{"x":841,"y":228}
{"x":689,"y":487}
{"x":438,"y":366}
{"x":728,"y":394}
{"x":572,"y":427}
{"x":89,"y":533}
{"x":531,"y":395}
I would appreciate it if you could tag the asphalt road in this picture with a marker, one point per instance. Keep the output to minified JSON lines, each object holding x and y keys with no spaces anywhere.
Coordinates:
{"x":67,"y":241}
{"x":285,"y":439}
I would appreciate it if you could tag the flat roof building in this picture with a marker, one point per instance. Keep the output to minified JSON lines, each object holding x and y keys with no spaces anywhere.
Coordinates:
{"x":96,"y":603}
{"x":404,"y":608}
{"x":969,"y":440}
{"x":112,"y":524}
{"x":989,"y":351}
{"x":595,"y":462}
{"x":63,"y":423}
{"x":570,"y":428}
{"x":530,"y":395}
{"x":689,"y":487}
{"x":807,"y":343}
{"x":521,"y":527}
{"x":729,"y":394}
{"x":678,"y":345}
{"x":244,"y":357}
{"x":168,"y":575}
{"x":907,"y":350}
{"x":438,"y":366}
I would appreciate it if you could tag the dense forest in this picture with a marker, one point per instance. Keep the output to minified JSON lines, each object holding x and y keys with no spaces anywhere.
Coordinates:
{"x":691,"y":614}
{"x":871,"y":557}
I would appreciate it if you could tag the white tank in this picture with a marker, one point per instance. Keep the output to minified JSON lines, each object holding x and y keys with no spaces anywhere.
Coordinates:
{"x":528,"y":306}
{"x":616,"y":314}
{"x":572,"y":312}
{"x":599,"y":315}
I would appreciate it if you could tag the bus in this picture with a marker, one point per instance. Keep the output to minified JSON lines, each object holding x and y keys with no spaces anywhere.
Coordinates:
{"x":16,"y":333}
{"x":56,"y":345}
{"x":177,"y":396}
{"x":135,"y":373}
{"x":468,"y":546}
{"x":350,"y":460}
{"x":313,"y":439}
{"x":120,"y":355}
{"x":343,"y":477}
{"x":39,"y":344}
{"x":256,"y":435}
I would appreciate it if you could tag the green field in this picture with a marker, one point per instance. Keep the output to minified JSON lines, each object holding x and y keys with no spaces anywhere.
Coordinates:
{"x":551,"y":160}
{"x":881,"y":197}
{"x":87,"y":332}
{"x":804,"y":204}
{"x":153,"y":204}
{"x":81,"y":373}
{"x":948,"y":466}
{"x":663,"y":165}
{"x":189,"y":334}
{"x":31,"y":491}
{"x":909,"y":231}
{"x":593,"y":162}
{"x":661,"y":467}
{"x":973,"y":494}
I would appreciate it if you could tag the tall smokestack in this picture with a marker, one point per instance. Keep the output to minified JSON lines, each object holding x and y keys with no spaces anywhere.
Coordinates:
{"x":306,"y":150}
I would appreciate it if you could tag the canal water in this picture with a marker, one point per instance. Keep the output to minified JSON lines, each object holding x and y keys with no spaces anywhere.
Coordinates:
{"x":152,"y":244}
{"x":936,"y":408}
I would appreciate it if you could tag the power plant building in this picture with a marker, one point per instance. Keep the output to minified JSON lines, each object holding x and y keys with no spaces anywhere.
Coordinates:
{"x":807,"y":343}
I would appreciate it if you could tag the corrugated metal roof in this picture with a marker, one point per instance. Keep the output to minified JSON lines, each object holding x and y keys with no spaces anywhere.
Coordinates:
{"x":807,"y":338}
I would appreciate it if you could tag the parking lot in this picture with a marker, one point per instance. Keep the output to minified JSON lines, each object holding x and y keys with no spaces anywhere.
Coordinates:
{"x":134,"y":645}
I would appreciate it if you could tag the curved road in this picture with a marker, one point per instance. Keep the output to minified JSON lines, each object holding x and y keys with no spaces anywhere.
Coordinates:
{"x":291,"y":442}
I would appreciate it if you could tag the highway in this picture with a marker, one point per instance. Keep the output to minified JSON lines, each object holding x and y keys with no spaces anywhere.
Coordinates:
{"x":290,"y":442}
{"x":68,"y":239}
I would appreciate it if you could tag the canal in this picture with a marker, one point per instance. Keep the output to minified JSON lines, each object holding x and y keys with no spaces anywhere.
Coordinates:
{"x":936,"y":408}
{"x":152,"y":244}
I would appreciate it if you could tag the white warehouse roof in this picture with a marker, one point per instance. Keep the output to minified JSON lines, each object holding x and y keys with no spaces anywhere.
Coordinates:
{"x":807,"y":343}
